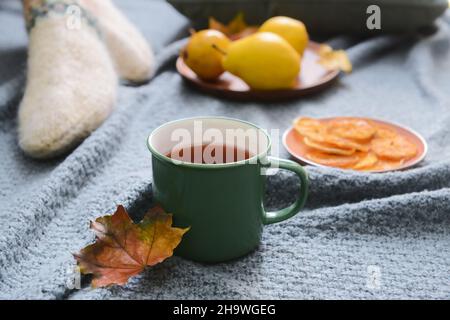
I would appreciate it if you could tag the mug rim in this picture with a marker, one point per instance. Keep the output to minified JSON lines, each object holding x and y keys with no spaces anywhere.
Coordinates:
{"x":163,"y":157}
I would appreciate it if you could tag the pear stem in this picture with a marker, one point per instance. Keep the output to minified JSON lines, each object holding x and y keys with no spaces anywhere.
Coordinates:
{"x":218,"y":49}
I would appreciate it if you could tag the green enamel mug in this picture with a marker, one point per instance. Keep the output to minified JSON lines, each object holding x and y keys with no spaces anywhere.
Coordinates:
{"x":222,"y":202}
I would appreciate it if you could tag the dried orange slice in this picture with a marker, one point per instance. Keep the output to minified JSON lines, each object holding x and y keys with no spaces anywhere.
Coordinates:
{"x":332,"y":160}
{"x":308,"y":126}
{"x":368,"y":161}
{"x":307,"y":122}
{"x":355,"y":129}
{"x":317,"y":131}
{"x":394,"y":148}
{"x":385,"y":133}
{"x":344,"y":143}
{"x":327,"y":148}
{"x":383,"y":164}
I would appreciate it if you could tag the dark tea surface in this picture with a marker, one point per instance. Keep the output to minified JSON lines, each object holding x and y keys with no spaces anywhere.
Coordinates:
{"x":210,"y":154}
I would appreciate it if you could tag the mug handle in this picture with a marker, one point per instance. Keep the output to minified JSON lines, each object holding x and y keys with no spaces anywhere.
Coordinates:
{"x":293,"y":209}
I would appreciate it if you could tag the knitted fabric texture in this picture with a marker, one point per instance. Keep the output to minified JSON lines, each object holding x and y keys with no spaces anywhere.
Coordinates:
{"x":360,"y":235}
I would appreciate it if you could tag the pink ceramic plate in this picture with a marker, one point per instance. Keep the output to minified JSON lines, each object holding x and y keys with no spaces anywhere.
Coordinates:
{"x":294,"y":144}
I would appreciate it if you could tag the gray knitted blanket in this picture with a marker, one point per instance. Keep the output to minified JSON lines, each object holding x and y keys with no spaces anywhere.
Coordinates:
{"x":361,"y":235}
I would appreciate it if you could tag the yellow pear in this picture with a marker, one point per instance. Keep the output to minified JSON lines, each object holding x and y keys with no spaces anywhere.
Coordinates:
{"x":292,"y":30}
{"x":202,"y":56}
{"x":264,"y":60}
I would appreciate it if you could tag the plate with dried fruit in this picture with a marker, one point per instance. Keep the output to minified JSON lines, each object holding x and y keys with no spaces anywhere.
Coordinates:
{"x":354,"y":143}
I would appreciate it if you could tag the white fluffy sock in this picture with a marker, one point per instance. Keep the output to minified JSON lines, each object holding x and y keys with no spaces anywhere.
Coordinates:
{"x":71,"y":81}
{"x":129,"y":50}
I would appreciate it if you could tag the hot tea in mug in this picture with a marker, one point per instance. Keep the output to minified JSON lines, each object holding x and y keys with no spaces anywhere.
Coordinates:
{"x":210,"y":154}
{"x":209,"y":172}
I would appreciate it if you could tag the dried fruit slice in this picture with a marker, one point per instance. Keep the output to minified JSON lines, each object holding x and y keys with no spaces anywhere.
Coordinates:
{"x":367,"y":161}
{"x":383,"y":164}
{"x":394,"y":148}
{"x":344,"y":143}
{"x":318,"y":131}
{"x":385,"y":133}
{"x":355,"y":129}
{"x":307,"y":122}
{"x":332,"y":160}
{"x":327,"y":148}
{"x":306,"y":125}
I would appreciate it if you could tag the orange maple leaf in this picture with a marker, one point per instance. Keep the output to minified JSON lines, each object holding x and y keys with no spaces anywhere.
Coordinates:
{"x":123,"y":248}
{"x":236,"y":29}
{"x":334,"y":59}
